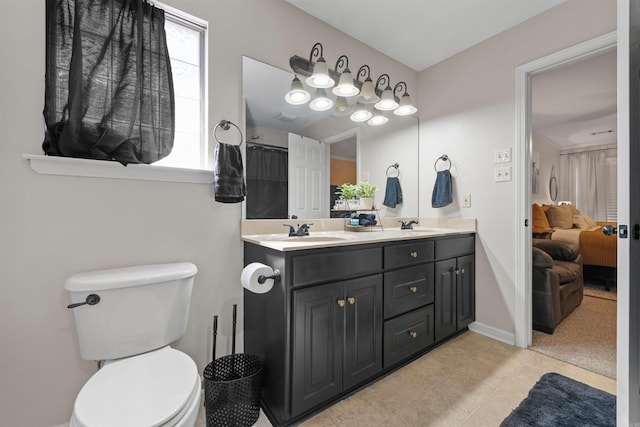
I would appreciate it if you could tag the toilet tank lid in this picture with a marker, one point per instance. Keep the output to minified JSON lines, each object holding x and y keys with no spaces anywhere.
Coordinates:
{"x":123,"y":277}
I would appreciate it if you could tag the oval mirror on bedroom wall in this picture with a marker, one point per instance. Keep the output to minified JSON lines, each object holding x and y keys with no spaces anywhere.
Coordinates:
{"x":276,"y":131}
{"x":553,"y":185}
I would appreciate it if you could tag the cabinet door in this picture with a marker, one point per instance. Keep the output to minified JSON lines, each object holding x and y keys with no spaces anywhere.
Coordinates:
{"x":363,"y":329}
{"x":317,"y":345}
{"x":445,"y":299}
{"x":466,"y":291}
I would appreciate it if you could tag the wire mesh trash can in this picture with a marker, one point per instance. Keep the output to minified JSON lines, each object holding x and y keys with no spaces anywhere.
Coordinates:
{"x":232,"y":387}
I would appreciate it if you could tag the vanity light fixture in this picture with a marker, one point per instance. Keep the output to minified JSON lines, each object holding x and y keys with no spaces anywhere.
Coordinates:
{"x":387,"y":101}
{"x":345,"y":86}
{"x":320,"y":101}
{"x":297,"y":95}
{"x":406,"y":108}
{"x":368,"y":91}
{"x":342,"y":107}
{"x":320,"y":77}
{"x":361,"y":113}
{"x":362,"y":88}
{"x":379,"y":118}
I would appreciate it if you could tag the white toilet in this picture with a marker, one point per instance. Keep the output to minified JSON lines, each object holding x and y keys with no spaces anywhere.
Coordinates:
{"x":143,"y":381}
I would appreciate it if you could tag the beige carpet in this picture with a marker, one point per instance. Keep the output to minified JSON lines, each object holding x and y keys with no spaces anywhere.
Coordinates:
{"x":587,"y":338}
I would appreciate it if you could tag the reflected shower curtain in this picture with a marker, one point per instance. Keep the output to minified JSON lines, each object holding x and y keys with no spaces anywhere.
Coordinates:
{"x":267,"y":183}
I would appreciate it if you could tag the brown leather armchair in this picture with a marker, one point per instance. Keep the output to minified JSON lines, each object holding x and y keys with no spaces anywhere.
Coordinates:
{"x":557,"y":283}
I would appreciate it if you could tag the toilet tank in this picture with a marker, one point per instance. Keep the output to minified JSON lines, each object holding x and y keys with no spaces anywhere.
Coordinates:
{"x":141,"y":308}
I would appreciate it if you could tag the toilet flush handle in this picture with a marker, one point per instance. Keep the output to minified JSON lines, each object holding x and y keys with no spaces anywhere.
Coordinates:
{"x":92,"y":299}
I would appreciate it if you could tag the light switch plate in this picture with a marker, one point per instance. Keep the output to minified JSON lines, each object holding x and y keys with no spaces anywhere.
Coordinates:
{"x":503,"y":155}
{"x":502,"y":174}
{"x":466,"y":201}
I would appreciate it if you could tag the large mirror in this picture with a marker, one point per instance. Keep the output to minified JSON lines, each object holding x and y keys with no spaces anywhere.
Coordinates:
{"x":295,"y":157}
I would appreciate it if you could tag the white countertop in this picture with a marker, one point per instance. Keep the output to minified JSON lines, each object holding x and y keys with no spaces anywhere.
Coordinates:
{"x":331,"y":237}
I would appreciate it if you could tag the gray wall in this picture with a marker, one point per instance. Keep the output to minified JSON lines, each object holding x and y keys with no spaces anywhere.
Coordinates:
{"x":467,"y":110}
{"x":54,"y":226}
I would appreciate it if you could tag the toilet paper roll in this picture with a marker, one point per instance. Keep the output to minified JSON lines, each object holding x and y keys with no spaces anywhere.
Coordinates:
{"x":250,"y":275}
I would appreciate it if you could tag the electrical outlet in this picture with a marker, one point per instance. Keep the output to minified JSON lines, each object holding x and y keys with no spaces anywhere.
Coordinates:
{"x":466,"y":201}
{"x":502,"y":174}
{"x":503,"y":155}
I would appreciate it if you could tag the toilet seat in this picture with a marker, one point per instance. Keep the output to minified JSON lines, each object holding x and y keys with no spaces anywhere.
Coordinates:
{"x":150,"y":389}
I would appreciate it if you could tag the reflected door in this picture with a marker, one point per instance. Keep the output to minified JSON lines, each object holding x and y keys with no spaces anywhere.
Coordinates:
{"x":308,"y":177}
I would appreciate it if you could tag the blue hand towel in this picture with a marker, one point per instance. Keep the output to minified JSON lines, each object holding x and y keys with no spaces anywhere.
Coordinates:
{"x":393,"y":193}
{"x":442,"y":190}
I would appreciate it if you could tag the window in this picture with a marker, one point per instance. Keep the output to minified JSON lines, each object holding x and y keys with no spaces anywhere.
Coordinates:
{"x":612,"y":186}
{"x":117,"y":100}
{"x":187,"y":40}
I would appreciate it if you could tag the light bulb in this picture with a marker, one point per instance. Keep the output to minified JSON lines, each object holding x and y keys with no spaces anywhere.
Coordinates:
{"x":320,"y":101}
{"x":297,"y":95}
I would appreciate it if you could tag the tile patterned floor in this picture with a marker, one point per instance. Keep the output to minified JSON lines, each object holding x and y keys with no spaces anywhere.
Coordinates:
{"x":470,"y":381}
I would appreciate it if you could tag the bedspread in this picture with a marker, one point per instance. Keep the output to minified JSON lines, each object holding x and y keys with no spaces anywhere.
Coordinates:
{"x":596,"y":248}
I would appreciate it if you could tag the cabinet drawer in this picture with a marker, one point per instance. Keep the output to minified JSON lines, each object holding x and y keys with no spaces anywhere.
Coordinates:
{"x":408,"y":254}
{"x":409,"y":288}
{"x":335,"y":265}
{"x":449,"y":248}
{"x":407,"y":335}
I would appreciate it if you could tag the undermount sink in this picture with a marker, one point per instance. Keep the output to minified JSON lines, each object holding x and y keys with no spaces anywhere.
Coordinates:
{"x":302,"y":239}
{"x":428,"y":230}
{"x":315,"y":238}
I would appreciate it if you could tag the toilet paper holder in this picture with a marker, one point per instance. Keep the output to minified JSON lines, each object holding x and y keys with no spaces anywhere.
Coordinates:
{"x":275,"y":276}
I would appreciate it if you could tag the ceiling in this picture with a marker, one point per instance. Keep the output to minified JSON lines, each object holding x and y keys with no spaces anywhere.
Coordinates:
{"x":421,"y":21}
{"x":575,"y":105}
{"x":572,"y":105}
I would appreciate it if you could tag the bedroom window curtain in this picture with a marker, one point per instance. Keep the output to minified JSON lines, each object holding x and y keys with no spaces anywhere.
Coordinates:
{"x":109,"y":89}
{"x":585,"y":182}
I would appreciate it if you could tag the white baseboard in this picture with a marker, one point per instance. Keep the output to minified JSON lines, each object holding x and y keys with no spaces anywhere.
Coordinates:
{"x":495,"y":333}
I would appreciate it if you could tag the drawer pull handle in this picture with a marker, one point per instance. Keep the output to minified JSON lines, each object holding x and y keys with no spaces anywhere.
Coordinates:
{"x":413,"y":289}
{"x":457,"y":271}
{"x":414,"y":254}
{"x":413,"y":334}
{"x":462,"y":271}
{"x":341,"y":302}
{"x":351,"y":300}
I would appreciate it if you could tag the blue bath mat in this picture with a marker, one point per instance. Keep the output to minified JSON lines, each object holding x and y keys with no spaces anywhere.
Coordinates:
{"x":558,"y":401}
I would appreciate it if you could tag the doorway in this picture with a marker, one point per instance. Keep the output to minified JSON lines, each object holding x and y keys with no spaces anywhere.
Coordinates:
{"x":523,"y":156}
{"x":574,"y":139}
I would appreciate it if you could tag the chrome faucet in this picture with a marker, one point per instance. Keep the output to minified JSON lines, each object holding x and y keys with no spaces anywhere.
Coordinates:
{"x":303,"y":230}
{"x":407,"y":225}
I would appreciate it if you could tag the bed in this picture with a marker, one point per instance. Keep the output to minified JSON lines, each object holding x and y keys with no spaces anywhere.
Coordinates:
{"x":569,"y":224}
{"x":597,"y":249}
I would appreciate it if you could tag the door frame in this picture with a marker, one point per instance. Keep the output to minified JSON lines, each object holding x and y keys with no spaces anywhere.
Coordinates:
{"x":627,"y":407}
{"x":524,"y":73}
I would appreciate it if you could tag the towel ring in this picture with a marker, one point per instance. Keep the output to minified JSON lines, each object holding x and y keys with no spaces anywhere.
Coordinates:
{"x":224,"y":124}
{"x":444,"y":158}
{"x":395,"y":166}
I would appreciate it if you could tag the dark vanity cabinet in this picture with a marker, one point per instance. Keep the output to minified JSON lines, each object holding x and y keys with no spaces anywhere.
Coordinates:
{"x":337,"y":335}
{"x":343,"y":316}
{"x":455,"y":287}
